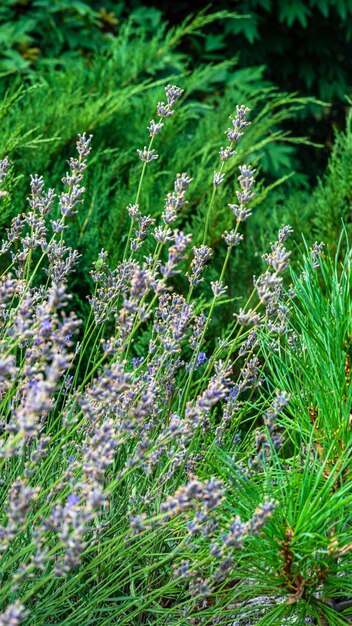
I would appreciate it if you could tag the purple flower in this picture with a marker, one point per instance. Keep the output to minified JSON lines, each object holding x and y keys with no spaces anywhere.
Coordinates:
{"x":218,"y":179}
{"x":68,"y":382}
{"x":173,"y":93}
{"x":136,"y":362}
{"x":239,"y":123}
{"x":147,"y":155}
{"x":72,"y":499}
{"x":13,"y":615}
{"x":233,"y":393}
{"x":201,"y":257}
{"x":202,"y":357}
{"x":45,"y":325}
{"x":154,"y":128}
{"x":4,"y":166}
{"x":246,"y":180}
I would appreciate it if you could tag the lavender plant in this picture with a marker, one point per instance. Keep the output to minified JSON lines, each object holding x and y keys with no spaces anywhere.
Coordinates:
{"x":116,"y":505}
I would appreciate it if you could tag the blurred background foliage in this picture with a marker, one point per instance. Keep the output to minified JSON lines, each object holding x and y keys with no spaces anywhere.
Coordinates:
{"x":70,"y":66}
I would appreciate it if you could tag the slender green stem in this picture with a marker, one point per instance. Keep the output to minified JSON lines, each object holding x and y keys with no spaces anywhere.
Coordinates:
{"x":205,"y":329}
{"x":207,"y":219}
{"x":138,"y":194}
{"x":211,"y":202}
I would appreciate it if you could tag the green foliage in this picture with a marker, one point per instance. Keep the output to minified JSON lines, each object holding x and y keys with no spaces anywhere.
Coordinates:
{"x":302,"y":43}
{"x":116,"y":86}
{"x":306,"y":551}
{"x":317,"y":212}
{"x":332,"y":200}
{"x":107,"y":433}
{"x":85,"y":390}
{"x":323,"y":353}
{"x":34,"y":32}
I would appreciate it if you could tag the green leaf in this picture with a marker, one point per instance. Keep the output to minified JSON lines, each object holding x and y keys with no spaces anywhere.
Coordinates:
{"x":248,"y":27}
{"x":214,"y":42}
{"x":291,"y":11}
{"x":322,"y":5}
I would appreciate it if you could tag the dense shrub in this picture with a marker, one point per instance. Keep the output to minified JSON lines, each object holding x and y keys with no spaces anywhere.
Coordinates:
{"x":304,"y":46}
{"x":101,"y":96}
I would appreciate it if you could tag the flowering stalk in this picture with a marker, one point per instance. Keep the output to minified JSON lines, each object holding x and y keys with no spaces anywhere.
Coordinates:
{"x":164,"y":111}
{"x":233,"y":134}
{"x":146,"y":160}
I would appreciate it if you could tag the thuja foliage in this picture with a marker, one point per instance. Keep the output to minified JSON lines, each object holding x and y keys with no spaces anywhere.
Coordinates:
{"x":119,"y":84}
{"x":332,"y":199}
{"x":312,"y":36}
{"x":127,"y":496}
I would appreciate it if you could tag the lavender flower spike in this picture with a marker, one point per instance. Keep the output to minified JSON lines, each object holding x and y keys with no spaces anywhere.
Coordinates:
{"x":246,"y":180}
{"x":218,"y":179}
{"x":4,"y":166}
{"x":155,"y":128}
{"x":239,"y":122}
{"x":173,"y":94}
{"x":13,"y":615}
{"x":83,"y":145}
{"x":147,"y":155}
{"x":201,"y":257}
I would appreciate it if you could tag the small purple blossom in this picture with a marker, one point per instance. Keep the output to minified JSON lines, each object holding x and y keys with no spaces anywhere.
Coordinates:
{"x":246,"y":180}
{"x":4,"y":167}
{"x":239,"y":122}
{"x":218,"y":288}
{"x":13,"y":615}
{"x":155,"y":128}
{"x":201,"y":257}
{"x":279,"y":257}
{"x":232,"y":239}
{"x":136,"y":362}
{"x":226,"y":153}
{"x":147,"y":155}
{"x":218,"y":179}
{"x":173,"y":93}
{"x":233,"y":393}
{"x":202,"y":357}
{"x":83,"y":145}
{"x":72,"y":499}
{"x":316,"y":252}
